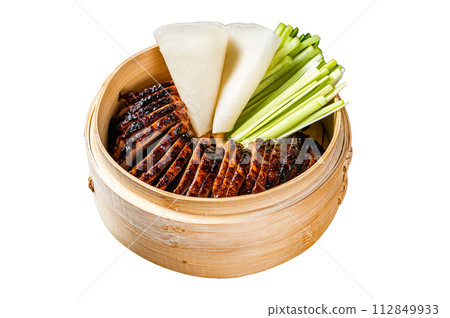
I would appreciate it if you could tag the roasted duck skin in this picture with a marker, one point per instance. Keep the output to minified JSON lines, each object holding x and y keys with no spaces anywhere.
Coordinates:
{"x":129,"y":119}
{"x":273,"y":173}
{"x":257,"y":153}
{"x":149,"y":119}
{"x":176,"y":166}
{"x":132,"y":97}
{"x":144,"y":103}
{"x":152,"y":173}
{"x":161,"y":147}
{"x":288,"y":169}
{"x":309,"y":154}
{"x":239,"y":174}
{"x":148,"y":99}
{"x":127,"y":149}
{"x":260,"y":183}
{"x":207,"y":185}
{"x":127,"y":115}
{"x":192,"y":166}
{"x":229,"y":150}
{"x":129,"y":98}
{"x":205,"y":167}
{"x":232,"y":166}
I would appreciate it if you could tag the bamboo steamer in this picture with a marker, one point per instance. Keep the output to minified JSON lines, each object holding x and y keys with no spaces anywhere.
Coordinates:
{"x":227,"y":237}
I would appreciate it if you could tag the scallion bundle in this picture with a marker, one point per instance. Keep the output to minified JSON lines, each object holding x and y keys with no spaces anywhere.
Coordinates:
{"x":296,"y":90}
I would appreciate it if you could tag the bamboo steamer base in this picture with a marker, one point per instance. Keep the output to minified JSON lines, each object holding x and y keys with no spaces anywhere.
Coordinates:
{"x":220,"y":238}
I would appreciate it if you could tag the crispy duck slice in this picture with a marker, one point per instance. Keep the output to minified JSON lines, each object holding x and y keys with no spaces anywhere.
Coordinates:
{"x":207,"y":185}
{"x":161,"y":147}
{"x":308,"y":147}
{"x":144,"y":106}
{"x":205,"y":167}
{"x":288,"y":168}
{"x":176,"y":166}
{"x":191,"y":169}
{"x":128,"y":149}
{"x":151,"y":175}
{"x":257,"y":153}
{"x":232,"y":166}
{"x":239,"y":174}
{"x":149,"y":119}
{"x":305,"y":165}
{"x":134,"y":100}
{"x":170,"y":91}
{"x":129,"y":98}
{"x":126,"y":116}
{"x":260,"y":183}
{"x":311,"y":162}
{"x":310,"y":153}
{"x":132,"y":97}
{"x":152,"y":107}
{"x":229,"y":150}
{"x":273,"y":173}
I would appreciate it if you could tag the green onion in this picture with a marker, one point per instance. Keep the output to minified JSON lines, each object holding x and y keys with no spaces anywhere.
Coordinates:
{"x":296,"y":90}
{"x":285,"y":35}
{"x":280,"y":28}
{"x":301,"y":116}
{"x":321,"y":90}
{"x":283,"y":92}
{"x":285,"y":62}
{"x":275,"y":81}
{"x":287,"y":48}
{"x":304,"y":44}
{"x":279,"y":127}
{"x":315,"y":117}
{"x":294,"y":33}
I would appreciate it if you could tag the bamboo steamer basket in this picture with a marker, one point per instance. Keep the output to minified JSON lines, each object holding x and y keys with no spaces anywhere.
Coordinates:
{"x":227,"y":237}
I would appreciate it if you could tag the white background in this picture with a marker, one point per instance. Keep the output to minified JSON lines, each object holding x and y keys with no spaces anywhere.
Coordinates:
{"x":389,"y":242}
